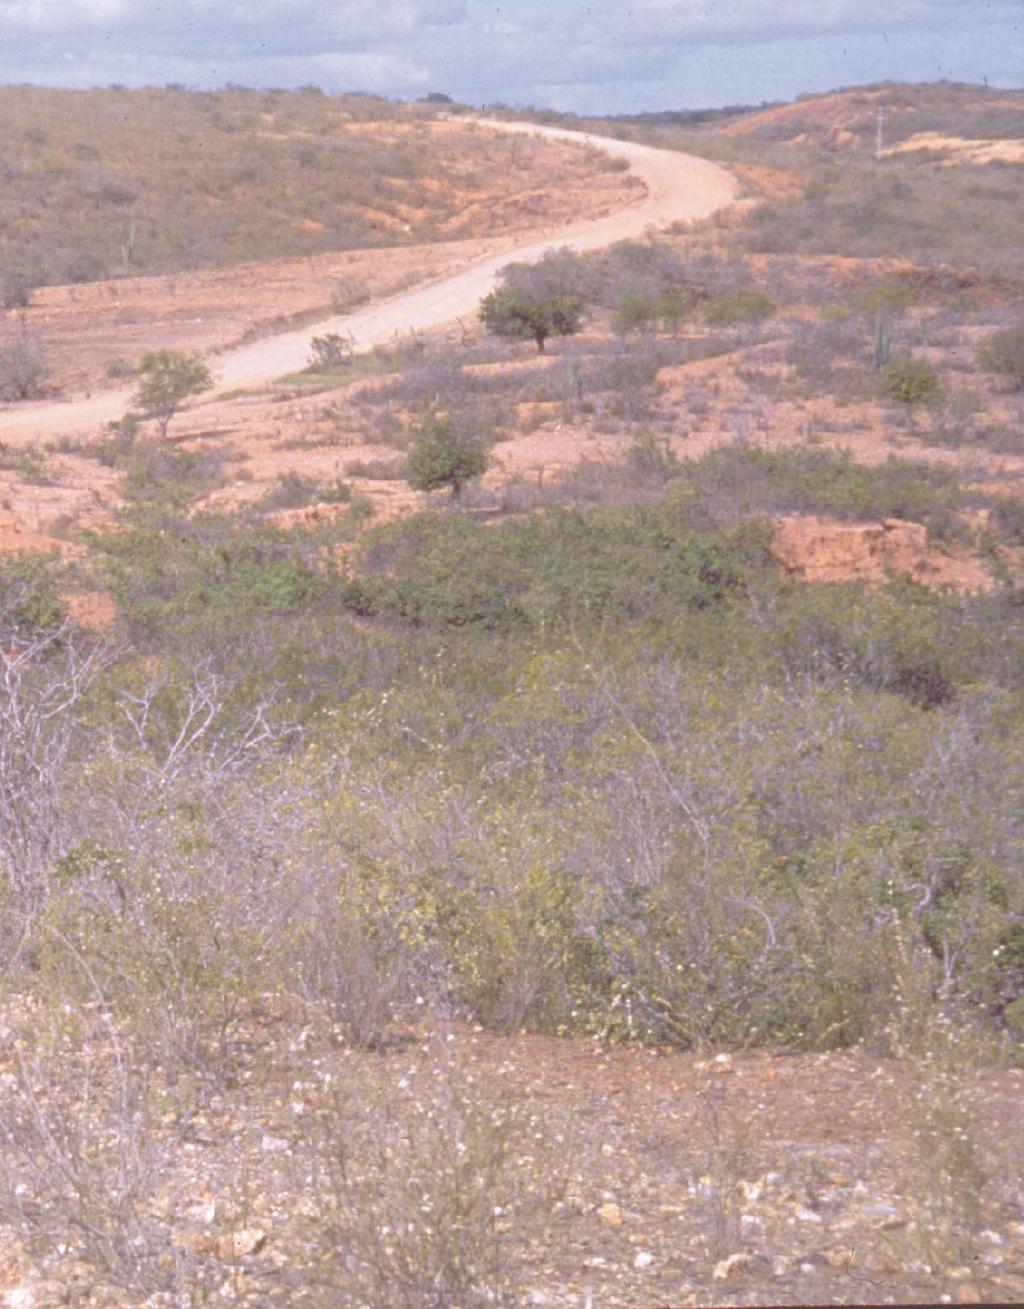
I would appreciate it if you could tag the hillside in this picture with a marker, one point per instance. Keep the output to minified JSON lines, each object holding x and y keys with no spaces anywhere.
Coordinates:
{"x":117,"y":182}
{"x":848,"y":119}
{"x":947,"y":190}
{"x":591,"y":878}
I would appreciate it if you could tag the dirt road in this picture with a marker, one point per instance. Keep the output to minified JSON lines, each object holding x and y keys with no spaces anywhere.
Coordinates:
{"x":677,"y":187}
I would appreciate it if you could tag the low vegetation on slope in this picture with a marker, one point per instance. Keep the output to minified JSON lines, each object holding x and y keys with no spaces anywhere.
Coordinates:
{"x":839,"y":199}
{"x":592,"y":770}
{"x":102,"y":182}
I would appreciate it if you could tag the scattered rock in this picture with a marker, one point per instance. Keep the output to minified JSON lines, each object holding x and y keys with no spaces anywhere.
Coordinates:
{"x":611,"y":1214}
{"x":241,"y":1244}
{"x":644,"y":1259}
{"x":20,"y":1297}
{"x":734,"y":1263}
{"x":32,"y":1295}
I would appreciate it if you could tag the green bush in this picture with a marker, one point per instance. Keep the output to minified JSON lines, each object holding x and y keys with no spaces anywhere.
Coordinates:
{"x":730,"y":307}
{"x":562,"y":567}
{"x":208,"y":579}
{"x":736,"y":481}
{"x":912,"y":381}
{"x":30,"y":606}
{"x":1004,"y":353}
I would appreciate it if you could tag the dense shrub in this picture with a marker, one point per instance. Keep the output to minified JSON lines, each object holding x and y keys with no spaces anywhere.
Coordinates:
{"x":592,"y":771}
{"x":737,"y":306}
{"x":911,"y":381}
{"x":736,"y":481}
{"x":551,"y":570}
{"x":23,"y":370}
{"x":30,"y":607}
{"x":337,"y":172}
{"x":185,"y":583}
{"x":293,"y":491}
{"x":1004,"y":353}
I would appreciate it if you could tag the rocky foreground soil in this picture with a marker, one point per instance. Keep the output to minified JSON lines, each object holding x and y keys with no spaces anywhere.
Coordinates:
{"x":634,"y":1177}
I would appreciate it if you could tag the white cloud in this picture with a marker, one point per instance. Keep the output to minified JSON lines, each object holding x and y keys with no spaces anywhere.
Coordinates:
{"x":55,"y":15}
{"x":578,"y":53}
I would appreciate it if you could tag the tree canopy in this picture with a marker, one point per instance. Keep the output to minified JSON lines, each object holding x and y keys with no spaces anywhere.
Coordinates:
{"x":443,"y":456}
{"x":536,"y":301}
{"x":168,"y":378}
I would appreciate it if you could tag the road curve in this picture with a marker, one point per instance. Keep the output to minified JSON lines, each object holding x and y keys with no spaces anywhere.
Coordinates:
{"x":678,"y":187}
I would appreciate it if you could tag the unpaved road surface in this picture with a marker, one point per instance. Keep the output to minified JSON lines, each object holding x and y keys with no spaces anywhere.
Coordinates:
{"x":678,"y":187}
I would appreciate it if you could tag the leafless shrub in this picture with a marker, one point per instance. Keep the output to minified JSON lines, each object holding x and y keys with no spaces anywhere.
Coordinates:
{"x":939,"y":1105}
{"x":198,"y":722}
{"x":43,"y":683}
{"x":81,"y":1156}
{"x":23,"y":370}
{"x":294,"y":491}
{"x":348,"y":295}
{"x":348,"y":969}
{"x":377,"y":470}
{"x":830,"y":357}
{"x":726,"y":1139}
{"x":419,"y":1189}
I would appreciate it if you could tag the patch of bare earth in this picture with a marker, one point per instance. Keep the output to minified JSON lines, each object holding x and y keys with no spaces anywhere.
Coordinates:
{"x":820,"y":549}
{"x":642,"y":1177}
{"x":954,"y":150}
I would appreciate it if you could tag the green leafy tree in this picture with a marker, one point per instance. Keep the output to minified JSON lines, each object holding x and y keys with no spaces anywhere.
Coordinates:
{"x":168,"y":378}
{"x":539,"y":300}
{"x":443,"y":456}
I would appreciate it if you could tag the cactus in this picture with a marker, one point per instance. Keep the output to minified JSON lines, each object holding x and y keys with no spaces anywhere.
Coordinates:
{"x":881,"y":342}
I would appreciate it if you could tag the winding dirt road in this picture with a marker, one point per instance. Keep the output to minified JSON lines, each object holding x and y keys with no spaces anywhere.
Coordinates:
{"x":678,"y":187}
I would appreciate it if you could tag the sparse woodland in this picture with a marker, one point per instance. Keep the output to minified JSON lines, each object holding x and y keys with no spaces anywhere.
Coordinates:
{"x":366,"y":862}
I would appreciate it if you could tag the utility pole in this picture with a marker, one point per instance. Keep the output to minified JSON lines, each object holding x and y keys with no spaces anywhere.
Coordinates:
{"x":880,"y":136}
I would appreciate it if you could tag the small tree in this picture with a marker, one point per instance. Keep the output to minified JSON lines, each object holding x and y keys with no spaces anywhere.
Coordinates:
{"x":330,"y":353}
{"x":442,"y":456}
{"x":16,"y":287}
{"x":169,"y":377}
{"x":539,"y":300}
{"x":1004,"y":353}
{"x":23,"y":370}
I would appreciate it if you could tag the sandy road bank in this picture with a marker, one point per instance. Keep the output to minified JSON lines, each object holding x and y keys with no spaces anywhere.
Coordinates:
{"x":677,"y":187}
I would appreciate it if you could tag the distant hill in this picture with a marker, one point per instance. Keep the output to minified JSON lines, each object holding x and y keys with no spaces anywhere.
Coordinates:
{"x":848,"y":118}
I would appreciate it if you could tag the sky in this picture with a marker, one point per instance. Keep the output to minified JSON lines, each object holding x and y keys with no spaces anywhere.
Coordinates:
{"x":586,"y":56}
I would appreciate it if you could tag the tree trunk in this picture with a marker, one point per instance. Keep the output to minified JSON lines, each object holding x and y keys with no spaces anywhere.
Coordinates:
{"x":540,"y":338}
